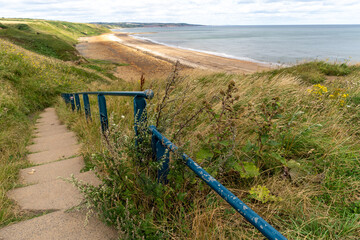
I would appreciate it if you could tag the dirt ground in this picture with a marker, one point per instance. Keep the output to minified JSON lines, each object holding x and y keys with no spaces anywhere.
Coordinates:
{"x":138,"y":62}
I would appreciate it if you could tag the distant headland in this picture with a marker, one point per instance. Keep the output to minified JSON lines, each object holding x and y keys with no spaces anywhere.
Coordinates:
{"x":137,"y":24}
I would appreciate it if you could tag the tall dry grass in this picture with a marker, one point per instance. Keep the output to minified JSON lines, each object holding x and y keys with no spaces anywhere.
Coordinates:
{"x":306,"y":157}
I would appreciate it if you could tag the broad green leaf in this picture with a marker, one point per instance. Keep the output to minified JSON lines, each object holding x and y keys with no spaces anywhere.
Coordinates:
{"x":273,"y":143}
{"x":293,"y":164}
{"x":217,"y":151}
{"x":278,"y":157}
{"x":204,"y":153}
{"x":225,"y":143}
{"x":247,"y":169}
{"x":264,"y":138}
{"x":249,"y":147}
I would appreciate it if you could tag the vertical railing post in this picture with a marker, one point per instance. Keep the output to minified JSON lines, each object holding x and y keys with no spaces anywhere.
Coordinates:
{"x":87,"y":106}
{"x":139,"y":115}
{"x":72,"y":102}
{"x":162,"y":154}
{"x":103,"y":113}
{"x":77,"y":102}
{"x":66,"y":97}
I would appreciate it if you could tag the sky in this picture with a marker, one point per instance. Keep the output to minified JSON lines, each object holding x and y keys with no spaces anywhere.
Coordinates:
{"x":207,"y":12}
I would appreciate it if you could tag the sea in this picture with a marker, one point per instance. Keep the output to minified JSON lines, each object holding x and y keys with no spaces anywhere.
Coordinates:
{"x":280,"y":44}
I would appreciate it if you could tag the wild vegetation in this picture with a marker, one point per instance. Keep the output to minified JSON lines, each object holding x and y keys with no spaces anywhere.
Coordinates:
{"x":50,"y":38}
{"x":137,"y":24}
{"x":285,"y":144}
{"x":29,"y":82}
{"x":285,"y":141}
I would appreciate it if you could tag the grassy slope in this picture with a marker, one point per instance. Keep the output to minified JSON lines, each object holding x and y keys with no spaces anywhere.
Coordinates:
{"x":307,"y":154}
{"x":50,"y":38}
{"x":302,"y":138}
{"x":29,"y":82}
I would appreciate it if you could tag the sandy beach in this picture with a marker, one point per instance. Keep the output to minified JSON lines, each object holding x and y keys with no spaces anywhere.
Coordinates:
{"x":156,"y":60}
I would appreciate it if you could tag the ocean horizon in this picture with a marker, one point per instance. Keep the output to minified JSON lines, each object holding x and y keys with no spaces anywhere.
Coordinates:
{"x":275,"y":44}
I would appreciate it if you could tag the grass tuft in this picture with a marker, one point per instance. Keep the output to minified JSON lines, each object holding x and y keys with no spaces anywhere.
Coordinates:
{"x":28,"y":83}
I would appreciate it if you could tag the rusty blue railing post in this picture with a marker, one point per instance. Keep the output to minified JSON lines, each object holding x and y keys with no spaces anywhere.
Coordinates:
{"x":66,"y":97}
{"x":103,"y":113}
{"x":77,"y":102}
{"x":72,"y":102}
{"x":87,"y":106}
{"x":161,"y":154}
{"x":139,"y":114}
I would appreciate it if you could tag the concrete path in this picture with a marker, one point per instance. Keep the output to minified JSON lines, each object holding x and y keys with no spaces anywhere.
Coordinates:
{"x":55,"y":153}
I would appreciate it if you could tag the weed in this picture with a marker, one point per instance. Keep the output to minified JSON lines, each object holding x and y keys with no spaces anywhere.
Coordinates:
{"x":262,"y":194}
{"x":49,"y":38}
{"x":261,"y":130}
{"x":28,"y":84}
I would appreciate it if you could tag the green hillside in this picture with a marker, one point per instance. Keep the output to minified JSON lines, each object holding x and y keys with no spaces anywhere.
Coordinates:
{"x":30,"y":82}
{"x":50,"y":38}
{"x":143,"y":25}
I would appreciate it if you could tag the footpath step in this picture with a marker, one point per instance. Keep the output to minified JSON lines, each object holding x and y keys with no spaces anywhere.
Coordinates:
{"x":49,"y":121}
{"x":54,"y":147}
{"x":52,"y":144}
{"x":59,"y":226}
{"x":52,"y":195}
{"x":61,"y":152}
{"x":53,"y":130}
{"x":52,"y":171}
{"x":55,"y":138}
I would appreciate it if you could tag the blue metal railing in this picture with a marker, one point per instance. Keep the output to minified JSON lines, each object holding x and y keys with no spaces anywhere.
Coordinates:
{"x":162,"y":147}
{"x":139,"y":104}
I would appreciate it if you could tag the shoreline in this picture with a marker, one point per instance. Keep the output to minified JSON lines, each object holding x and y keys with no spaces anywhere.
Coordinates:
{"x":189,"y":57}
{"x":155,"y":54}
{"x":225,"y":55}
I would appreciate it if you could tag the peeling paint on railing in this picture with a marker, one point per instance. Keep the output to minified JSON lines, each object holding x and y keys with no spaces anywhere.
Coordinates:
{"x":265,"y":228}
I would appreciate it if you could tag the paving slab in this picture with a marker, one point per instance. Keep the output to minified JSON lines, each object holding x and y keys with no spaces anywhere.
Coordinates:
{"x":54,"y":195}
{"x":51,"y":132}
{"x":57,"y":136}
{"x":50,"y":129}
{"x":54,"y":131}
{"x":60,"y":152}
{"x":59,"y":226}
{"x":48,"y":120}
{"x":52,"y":171}
{"x":45,"y":118}
{"x":46,"y":125}
{"x":52,"y":142}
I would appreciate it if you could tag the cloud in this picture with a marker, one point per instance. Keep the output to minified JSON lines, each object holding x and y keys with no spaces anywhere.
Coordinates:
{"x":200,"y":11}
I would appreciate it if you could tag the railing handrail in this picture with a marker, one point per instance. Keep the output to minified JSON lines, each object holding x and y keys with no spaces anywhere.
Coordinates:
{"x":265,"y":228}
{"x":148,"y":94}
{"x":161,"y":148}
